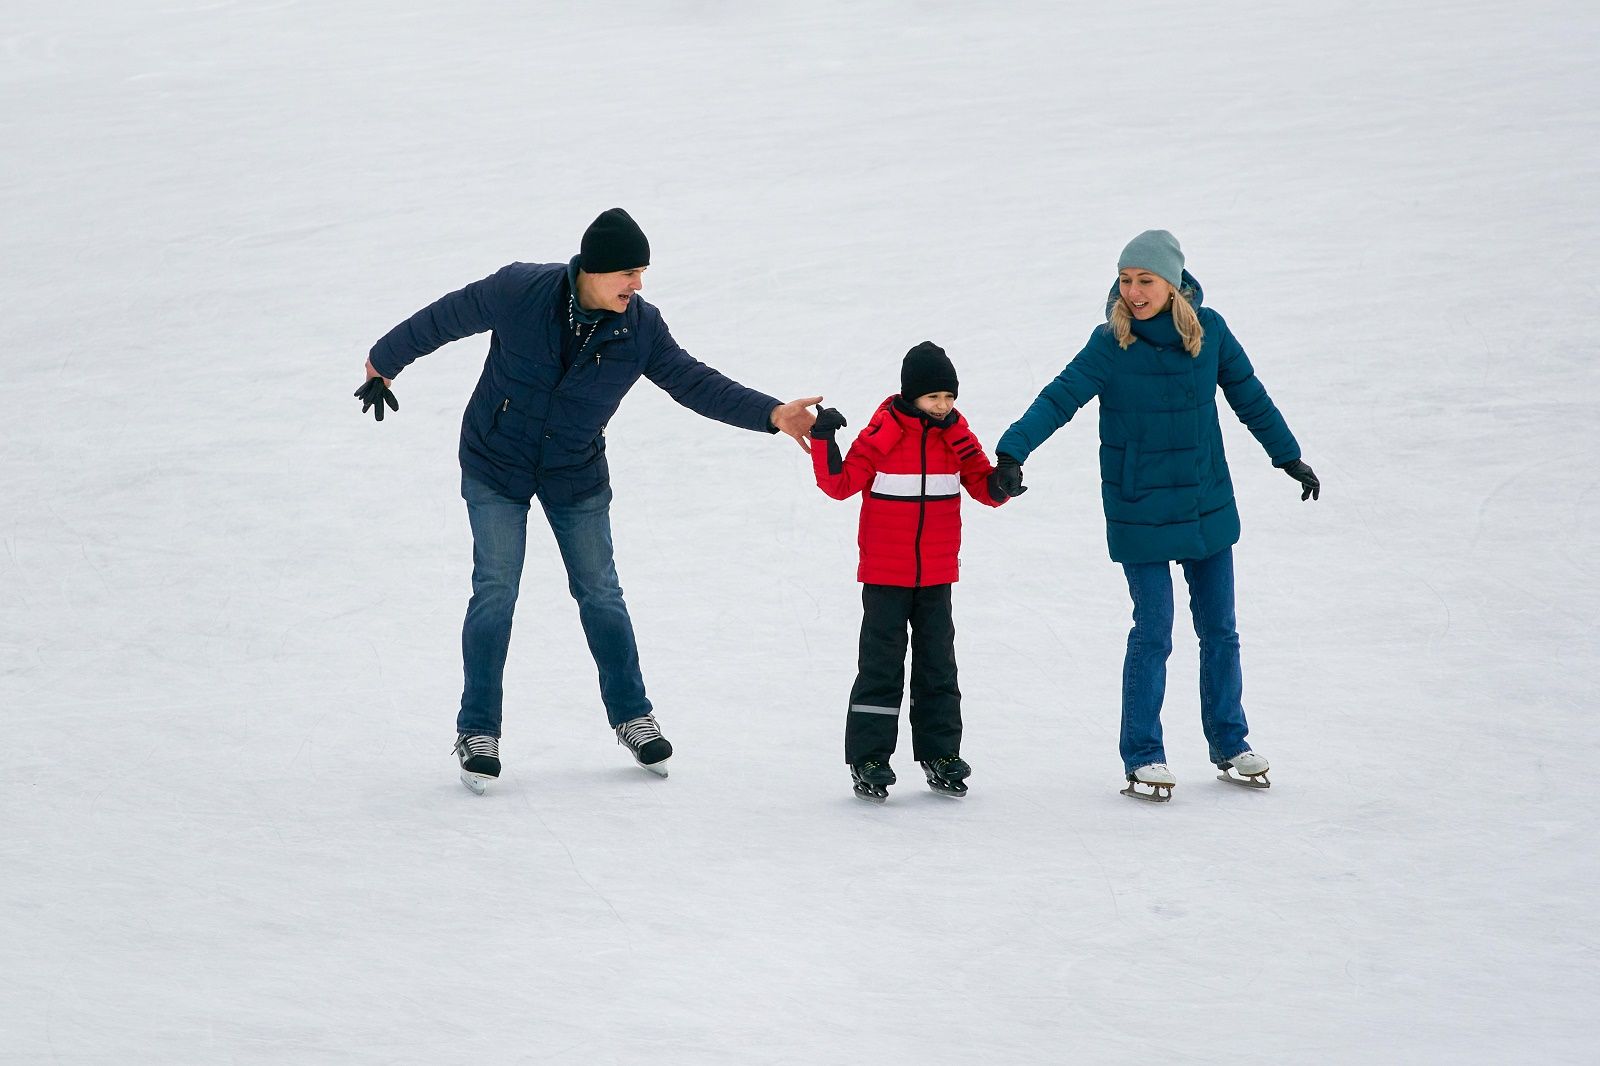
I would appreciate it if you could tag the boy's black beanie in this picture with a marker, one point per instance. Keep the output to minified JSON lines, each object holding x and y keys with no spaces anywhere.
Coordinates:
{"x":613,"y":242}
{"x":927,"y":369}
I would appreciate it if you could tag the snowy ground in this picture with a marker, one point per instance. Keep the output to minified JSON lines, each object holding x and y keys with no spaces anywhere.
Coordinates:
{"x":230,"y":831}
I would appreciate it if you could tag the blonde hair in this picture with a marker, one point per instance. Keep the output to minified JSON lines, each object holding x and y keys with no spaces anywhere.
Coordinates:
{"x":1183,"y":316}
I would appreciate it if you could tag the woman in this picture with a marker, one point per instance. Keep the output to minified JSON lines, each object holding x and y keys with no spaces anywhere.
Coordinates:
{"x":1156,"y":366}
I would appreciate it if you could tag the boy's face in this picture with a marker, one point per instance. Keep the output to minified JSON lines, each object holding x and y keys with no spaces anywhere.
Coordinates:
{"x":937,"y":404}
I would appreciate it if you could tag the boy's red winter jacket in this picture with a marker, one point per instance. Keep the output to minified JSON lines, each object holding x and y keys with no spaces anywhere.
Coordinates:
{"x":910,"y":472}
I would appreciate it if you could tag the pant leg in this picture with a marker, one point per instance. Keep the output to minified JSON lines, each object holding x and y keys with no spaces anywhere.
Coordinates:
{"x":873,"y":720}
{"x":1144,"y":670}
{"x":1211,"y":602}
{"x":499,"y":545}
{"x":583,"y":536}
{"x":935,"y":696}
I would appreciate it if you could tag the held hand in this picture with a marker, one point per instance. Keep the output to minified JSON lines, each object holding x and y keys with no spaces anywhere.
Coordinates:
{"x":375,"y":393}
{"x":1006,"y":481}
{"x":794,"y":419}
{"x":829,"y":421}
{"x":1312,"y":488}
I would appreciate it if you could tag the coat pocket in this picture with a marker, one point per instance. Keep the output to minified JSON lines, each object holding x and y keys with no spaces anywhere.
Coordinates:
{"x":1129,"y":482}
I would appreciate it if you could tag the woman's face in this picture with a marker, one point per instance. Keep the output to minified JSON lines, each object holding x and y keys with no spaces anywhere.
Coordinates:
{"x":1145,"y":294}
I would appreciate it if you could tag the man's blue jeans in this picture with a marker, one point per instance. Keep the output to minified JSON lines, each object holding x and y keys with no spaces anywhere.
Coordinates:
{"x":499,"y":544}
{"x":1144,"y":671}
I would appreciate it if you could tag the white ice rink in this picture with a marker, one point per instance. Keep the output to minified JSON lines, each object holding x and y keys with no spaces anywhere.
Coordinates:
{"x":230,"y":826}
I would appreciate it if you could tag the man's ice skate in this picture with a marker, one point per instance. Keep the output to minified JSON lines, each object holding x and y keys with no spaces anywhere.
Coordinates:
{"x":642,"y":737}
{"x":947,"y":775}
{"x":1154,"y":776}
{"x":872,"y":779}
{"x":1247,"y":769}
{"x":480,"y":760}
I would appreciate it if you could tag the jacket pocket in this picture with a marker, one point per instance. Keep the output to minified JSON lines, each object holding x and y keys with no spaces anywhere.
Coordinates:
{"x":1129,"y":485}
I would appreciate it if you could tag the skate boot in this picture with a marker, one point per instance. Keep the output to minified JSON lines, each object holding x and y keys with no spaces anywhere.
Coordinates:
{"x":480,"y":760}
{"x":947,"y":775}
{"x":1250,"y":768}
{"x":872,"y":779}
{"x":643,"y":739}
{"x":1154,"y":776}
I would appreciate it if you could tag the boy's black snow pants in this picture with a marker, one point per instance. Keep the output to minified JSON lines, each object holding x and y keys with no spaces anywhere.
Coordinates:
{"x":874,"y":718}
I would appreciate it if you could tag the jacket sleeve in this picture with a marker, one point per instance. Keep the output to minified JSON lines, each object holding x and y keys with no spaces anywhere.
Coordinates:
{"x":1248,"y":397}
{"x":1078,"y":383}
{"x":705,"y":391}
{"x":860,"y":467}
{"x":975,"y":466}
{"x":449,"y":318}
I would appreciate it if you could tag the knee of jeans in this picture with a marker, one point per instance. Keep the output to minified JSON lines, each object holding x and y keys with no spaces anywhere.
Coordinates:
{"x":597,"y":591}
{"x":1217,"y":633}
{"x":495,"y":587}
{"x":1150,"y":638}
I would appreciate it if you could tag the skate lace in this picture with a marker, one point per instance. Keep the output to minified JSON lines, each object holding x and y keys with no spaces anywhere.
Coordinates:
{"x":479,"y":745}
{"x":639,"y":731}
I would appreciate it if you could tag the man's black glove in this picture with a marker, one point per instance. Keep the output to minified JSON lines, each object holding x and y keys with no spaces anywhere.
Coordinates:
{"x":374,"y":394}
{"x":1302,"y":473}
{"x":829,"y":421}
{"x":1006,"y":481}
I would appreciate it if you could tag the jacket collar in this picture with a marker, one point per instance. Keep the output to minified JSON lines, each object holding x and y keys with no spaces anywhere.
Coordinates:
{"x":579,"y":313}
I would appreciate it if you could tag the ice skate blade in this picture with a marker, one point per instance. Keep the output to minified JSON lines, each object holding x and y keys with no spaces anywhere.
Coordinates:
{"x":1254,"y":781}
{"x":476,"y":783}
{"x":657,"y":768}
{"x":947,"y":792}
{"x":1157,"y":793}
{"x":871,"y":796}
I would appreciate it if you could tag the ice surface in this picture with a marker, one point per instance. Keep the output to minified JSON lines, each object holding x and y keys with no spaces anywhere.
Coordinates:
{"x":230,"y":825}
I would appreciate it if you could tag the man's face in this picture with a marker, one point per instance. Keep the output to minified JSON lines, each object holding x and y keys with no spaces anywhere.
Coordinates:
{"x":609,"y":292}
{"x":937,"y":404}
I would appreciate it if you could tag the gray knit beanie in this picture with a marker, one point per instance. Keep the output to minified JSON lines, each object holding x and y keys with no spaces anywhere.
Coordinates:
{"x":1157,"y":251}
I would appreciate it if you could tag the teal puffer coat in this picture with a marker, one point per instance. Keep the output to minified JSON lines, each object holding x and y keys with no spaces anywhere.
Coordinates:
{"x":1163,"y":476}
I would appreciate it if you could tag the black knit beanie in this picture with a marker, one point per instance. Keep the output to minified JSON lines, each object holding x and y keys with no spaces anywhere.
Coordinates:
{"x":613,"y":242}
{"x":927,"y":369}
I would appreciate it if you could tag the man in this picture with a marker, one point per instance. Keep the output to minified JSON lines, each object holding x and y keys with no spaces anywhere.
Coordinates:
{"x":567,"y":342}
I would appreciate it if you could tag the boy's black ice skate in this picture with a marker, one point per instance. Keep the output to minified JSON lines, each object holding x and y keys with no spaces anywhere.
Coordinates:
{"x":872,"y":779}
{"x":642,"y":737}
{"x":947,"y":775}
{"x":480,"y":760}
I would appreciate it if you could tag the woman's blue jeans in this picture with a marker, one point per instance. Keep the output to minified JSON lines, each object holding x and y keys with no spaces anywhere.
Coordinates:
{"x":499,"y":545}
{"x":1144,"y":671}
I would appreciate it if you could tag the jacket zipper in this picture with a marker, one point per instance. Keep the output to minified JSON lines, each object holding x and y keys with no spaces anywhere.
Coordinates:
{"x":922,"y":505}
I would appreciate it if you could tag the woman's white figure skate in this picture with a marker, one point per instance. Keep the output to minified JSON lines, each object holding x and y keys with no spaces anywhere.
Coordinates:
{"x":1250,"y":768}
{"x":1156,"y":777}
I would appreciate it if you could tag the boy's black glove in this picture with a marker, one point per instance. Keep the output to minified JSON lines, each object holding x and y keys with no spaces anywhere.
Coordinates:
{"x":829,"y":421}
{"x":374,"y":394}
{"x":1302,"y":473}
{"x":1006,"y":481}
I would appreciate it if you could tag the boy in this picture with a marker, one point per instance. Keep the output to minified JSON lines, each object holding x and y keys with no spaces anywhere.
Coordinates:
{"x":909,"y":465}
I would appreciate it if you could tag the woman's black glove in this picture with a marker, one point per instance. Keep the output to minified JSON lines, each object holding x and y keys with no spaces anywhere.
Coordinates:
{"x":1302,"y":473}
{"x":1006,"y":481}
{"x":374,"y":394}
